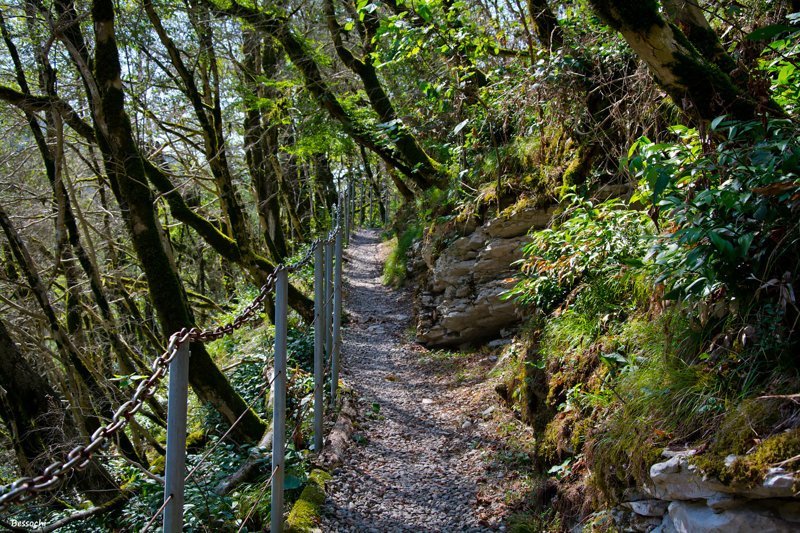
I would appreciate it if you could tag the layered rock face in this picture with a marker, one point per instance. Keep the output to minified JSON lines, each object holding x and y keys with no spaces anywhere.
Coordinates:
{"x":462,"y":273}
{"x":680,"y":499}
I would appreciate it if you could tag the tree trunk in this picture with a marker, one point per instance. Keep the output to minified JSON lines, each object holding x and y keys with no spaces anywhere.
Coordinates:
{"x":693,"y":81}
{"x":405,"y":141}
{"x":687,"y":15}
{"x":545,"y":24}
{"x":41,"y":430}
{"x":323,"y":178}
{"x":374,"y":183}
{"x":126,"y":169}
{"x":261,"y":141}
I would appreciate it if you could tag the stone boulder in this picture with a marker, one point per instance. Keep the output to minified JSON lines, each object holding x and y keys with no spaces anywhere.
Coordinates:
{"x":462,"y":278}
{"x":680,"y":499}
{"x":690,"y":517}
{"x":678,"y":479}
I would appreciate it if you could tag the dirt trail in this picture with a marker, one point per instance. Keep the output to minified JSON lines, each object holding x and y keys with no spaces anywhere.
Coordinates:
{"x":419,"y":460}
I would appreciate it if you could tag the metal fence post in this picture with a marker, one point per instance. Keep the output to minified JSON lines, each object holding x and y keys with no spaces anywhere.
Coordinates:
{"x":370,"y":207}
{"x":362,"y":198}
{"x":319,"y":345}
{"x":346,"y":217}
{"x":279,"y":402}
{"x":175,"y":466}
{"x":337,"y":318}
{"x":349,"y":214}
{"x":328,"y":297}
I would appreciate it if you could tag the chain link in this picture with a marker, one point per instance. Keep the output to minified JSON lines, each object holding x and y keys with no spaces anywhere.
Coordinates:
{"x":79,"y":458}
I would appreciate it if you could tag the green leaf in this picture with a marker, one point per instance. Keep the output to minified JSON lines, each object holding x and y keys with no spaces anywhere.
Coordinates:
{"x":662,"y":180}
{"x":292,"y":482}
{"x":745,"y":241}
{"x":768,"y":32}
{"x":632,"y":262}
{"x":613,"y":358}
{"x":716,"y":122}
{"x":721,"y":243}
{"x":425,"y":12}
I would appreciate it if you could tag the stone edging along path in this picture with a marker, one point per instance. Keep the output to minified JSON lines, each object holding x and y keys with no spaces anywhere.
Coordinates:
{"x":423,"y":456}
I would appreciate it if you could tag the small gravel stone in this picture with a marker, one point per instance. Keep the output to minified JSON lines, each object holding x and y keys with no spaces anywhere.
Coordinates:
{"x":416,"y":470}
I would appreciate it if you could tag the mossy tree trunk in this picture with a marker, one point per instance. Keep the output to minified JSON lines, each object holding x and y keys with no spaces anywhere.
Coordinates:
{"x":258,"y":266}
{"x":325,"y":187}
{"x":694,"y":82}
{"x":422,"y":170}
{"x":688,"y":16}
{"x":407,"y":144}
{"x":126,"y":170}
{"x":545,"y":24}
{"x":375,"y":184}
{"x":261,"y":139}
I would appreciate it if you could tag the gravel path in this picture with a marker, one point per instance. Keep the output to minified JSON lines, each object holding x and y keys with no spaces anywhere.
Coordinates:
{"x":417,"y":461}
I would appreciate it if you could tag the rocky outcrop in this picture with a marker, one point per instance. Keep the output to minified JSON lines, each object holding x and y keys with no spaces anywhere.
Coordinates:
{"x":680,"y":499}
{"x":462,"y":274}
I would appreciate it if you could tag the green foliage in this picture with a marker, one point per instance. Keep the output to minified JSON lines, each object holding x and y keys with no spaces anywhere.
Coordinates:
{"x":779,"y":61}
{"x":591,"y":242}
{"x":396,"y":267}
{"x":729,"y":212}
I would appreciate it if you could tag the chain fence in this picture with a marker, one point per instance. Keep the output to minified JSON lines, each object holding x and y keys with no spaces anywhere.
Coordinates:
{"x":27,"y":488}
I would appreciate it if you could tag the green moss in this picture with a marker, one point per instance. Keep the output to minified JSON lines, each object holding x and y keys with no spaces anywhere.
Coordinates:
{"x":710,"y":464}
{"x":525,"y":202}
{"x":396,"y":267}
{"x":707,"y":42}
{"x":556,"y":443}
{"x":157,"y":465}
{"x":526,"y":384}
{"x":749,"y":470}
{"x":773,"y":450}
{"x":751,"y":419}
{"x":196,"y":440}
{"x":305,"y":513}
{"x":578,"y":169}
{"x":707,"y":85}
{"x":580,"y":430}
{"x":739,"y":433}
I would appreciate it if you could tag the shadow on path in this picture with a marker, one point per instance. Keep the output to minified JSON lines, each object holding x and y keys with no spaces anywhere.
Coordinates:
{"x":415,"y":470}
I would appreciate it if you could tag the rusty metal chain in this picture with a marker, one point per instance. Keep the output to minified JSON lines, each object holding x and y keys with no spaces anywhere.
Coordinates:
{"x":329,"y":239}
{"x":79,"y":458}
{"x":26,"y":488}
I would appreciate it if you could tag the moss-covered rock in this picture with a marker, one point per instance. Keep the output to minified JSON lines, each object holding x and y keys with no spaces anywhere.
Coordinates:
{"x":749,"y":470}
{"x":305,"y":513}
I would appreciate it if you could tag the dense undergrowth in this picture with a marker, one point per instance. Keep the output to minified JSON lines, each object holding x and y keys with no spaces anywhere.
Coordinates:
{"x":670,"y":322}
{"x":245,"y":356}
